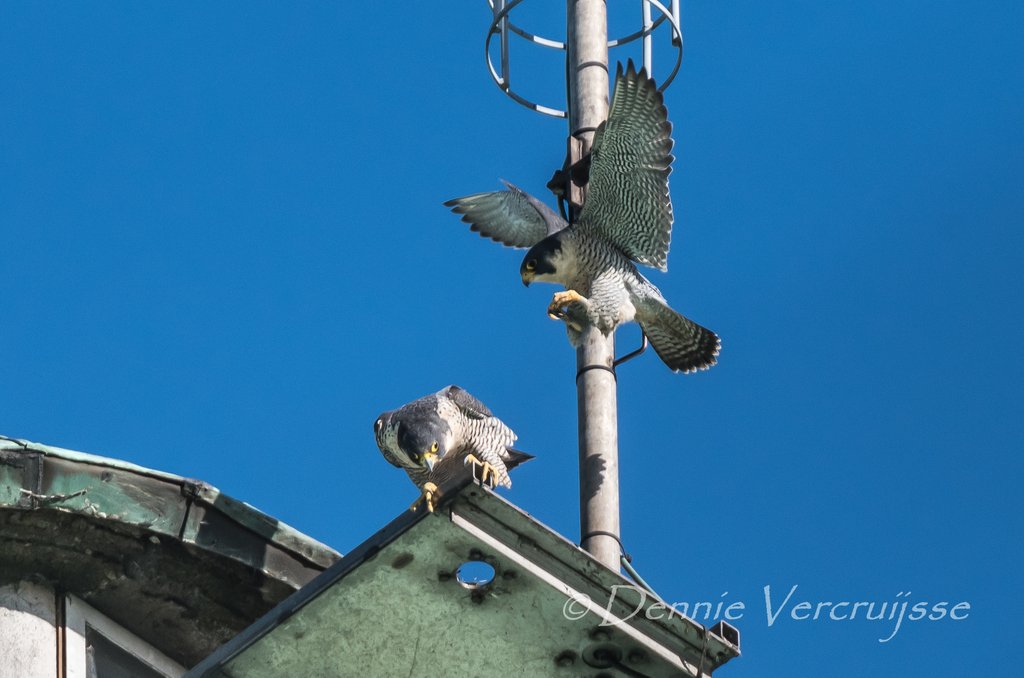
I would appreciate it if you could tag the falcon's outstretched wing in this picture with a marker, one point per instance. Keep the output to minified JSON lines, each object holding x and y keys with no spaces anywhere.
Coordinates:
{"x":627,"y":201}
{"x":513,"y":217}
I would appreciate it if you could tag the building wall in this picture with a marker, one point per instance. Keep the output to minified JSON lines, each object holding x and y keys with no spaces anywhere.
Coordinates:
{"x":28,"y":631}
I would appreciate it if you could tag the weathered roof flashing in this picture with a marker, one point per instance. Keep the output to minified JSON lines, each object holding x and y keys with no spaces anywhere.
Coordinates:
{"x":180,"y":564}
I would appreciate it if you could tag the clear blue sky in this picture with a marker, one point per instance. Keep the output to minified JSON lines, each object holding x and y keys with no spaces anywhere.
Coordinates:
{"x":224,"y":254}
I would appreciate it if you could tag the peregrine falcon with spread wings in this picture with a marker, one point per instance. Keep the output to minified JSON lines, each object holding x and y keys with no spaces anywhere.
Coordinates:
{"x":445,"y":436}
{"x":627,"y":218}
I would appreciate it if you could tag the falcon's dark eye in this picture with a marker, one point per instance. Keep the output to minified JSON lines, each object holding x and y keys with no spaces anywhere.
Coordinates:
{"x":434,"y":447}
{"x":531,"y":264}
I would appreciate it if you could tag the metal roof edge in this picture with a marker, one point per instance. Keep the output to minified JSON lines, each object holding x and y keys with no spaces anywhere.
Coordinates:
{"x":490,"y":511}
{"x":243,"y":515}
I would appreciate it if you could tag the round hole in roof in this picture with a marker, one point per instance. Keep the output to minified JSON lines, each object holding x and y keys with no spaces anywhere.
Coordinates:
{"x":475,"y":574}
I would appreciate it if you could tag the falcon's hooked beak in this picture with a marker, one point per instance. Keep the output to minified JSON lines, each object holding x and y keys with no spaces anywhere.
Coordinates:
{"x":430,"y":458}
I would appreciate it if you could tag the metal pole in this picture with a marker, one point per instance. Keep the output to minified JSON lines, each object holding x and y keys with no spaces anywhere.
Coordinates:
{"x":498,"y":6}
{"x":648,"y":38}
{"x":587,"y":54}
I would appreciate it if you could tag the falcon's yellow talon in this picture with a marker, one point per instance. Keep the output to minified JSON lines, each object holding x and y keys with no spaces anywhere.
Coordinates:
{"x":428,"y":496}
{"x":486,"y":470}
{"x":556,"y":309}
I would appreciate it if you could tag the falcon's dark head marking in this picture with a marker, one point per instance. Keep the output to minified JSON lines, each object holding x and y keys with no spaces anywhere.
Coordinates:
{"x":544,"y":262}
{"x":423,"y":441}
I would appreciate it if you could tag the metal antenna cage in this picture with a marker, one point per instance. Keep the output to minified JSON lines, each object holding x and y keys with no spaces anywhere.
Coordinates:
{"x":502,"y":26}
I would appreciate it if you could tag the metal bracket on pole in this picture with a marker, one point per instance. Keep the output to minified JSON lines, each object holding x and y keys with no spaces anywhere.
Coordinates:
{"x":502,"y":26}
{"x":618,"y":361}
{"x":633,"y":354}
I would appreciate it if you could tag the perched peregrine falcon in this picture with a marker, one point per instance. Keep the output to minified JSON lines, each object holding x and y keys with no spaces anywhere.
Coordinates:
{"x":626,"y":218}
{"x":445,"y":436}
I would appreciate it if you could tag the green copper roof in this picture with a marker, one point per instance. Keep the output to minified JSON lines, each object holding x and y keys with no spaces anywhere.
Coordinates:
{"x":176,"y":561}
{"x":395,"y":606}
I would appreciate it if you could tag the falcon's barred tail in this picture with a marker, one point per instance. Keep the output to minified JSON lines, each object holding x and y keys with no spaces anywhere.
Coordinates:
{"x":516,"y":457}
{"x":681,"y":344}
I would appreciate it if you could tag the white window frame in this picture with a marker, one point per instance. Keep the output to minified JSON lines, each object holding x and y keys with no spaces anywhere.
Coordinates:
{"x":78,"y":614}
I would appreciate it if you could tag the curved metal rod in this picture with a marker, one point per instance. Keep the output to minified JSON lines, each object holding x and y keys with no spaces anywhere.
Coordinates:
{"x":679,"y":51}
{"x":554,"y":44}
{"x":500,"y":81}
{"x":503,"y":83}
{"x":639,"y":34}
{"x":629,"y":356}
{"x":634,"y":575}
{"x":519,"y":31}
{"x":553,"y":112}
{"x":536,"y":38}
{"x":491,"y":31}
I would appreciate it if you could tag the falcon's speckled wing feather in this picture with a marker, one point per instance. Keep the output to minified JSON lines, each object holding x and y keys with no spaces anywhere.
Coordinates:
{"x":513,"y":217}
{"x":392,"y":459}
{"x":627,"y":199}
{"x":381,"y":435}
{"x":466,"y":402}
